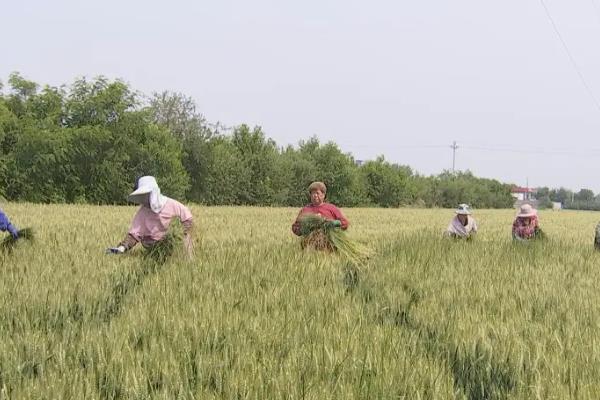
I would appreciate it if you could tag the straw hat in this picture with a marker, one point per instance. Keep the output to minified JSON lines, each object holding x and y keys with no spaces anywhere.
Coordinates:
{"x":527,"y":210}
{"x":463,"y":209}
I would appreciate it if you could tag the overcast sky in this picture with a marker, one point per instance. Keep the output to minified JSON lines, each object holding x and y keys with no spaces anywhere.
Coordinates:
{"x":381,"y":77}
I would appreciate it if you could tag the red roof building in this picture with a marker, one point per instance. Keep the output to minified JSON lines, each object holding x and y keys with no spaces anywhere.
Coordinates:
{"x":523,"y":193}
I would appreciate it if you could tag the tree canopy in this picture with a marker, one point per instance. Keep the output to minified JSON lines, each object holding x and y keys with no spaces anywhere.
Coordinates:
{"x":90,"y":140}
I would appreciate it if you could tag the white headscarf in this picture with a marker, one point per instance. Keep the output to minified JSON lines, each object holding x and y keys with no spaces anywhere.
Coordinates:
{"x":147,"y":187}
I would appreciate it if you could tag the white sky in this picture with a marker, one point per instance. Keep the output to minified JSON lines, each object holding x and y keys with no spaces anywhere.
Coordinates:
{"x":378,"y":77}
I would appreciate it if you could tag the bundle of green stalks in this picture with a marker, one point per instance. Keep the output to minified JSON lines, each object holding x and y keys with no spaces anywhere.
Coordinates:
{"x":9,"y":242}
{"x":458,"y":238}
{"x":162,"y":250}
{"x":317,"y":234}
{"x":538,"y":235}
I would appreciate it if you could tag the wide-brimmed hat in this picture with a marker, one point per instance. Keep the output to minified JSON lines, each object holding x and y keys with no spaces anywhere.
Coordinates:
{"x":143,"y":186}
{"x":463,"y":209}
{"x":527,"y":210}
{"x":147,"y":188}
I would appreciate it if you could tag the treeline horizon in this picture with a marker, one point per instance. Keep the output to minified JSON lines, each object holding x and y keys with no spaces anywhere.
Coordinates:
{"x":87,"y":142}
{"x":584,"y":199}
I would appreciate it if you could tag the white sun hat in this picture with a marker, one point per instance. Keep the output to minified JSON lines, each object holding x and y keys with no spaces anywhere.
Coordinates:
{"x":463,"y":209}
{"x":147,"y":188}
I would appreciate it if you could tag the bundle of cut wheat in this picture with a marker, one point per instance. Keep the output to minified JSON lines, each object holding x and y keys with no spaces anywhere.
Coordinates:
{"x":318,"y":234}
{"x":9,"y":242}
{"x":162,"y":250}
{"x":540,"y":234}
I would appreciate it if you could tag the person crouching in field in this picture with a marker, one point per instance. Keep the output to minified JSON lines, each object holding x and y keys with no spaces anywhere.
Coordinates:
{"x":151,"y":222}
{"x":6,"y":226}
{"x":463,"y":225}
{"x":526,"y":225}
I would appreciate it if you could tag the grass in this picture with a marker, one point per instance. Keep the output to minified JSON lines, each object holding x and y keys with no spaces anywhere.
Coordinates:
{"x":254,"y":317}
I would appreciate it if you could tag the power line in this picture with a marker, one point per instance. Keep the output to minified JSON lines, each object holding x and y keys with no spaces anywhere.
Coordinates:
{"x":546,"y":152}
{"x":535,"y":151}
{"x":408,"y":146}
{"x":564,"y":44}
{"x":493,"y":148}
{"x":502,"y":149}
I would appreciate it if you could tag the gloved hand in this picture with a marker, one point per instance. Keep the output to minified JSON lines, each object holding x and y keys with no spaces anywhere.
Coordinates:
{"x":115,"y":250}
{"x":336,"y":223}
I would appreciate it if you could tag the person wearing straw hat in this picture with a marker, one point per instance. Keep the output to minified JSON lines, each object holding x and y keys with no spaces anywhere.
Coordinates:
{"x":318,"y":206}
{"x":151,"y":222}
{"x":463,"y":225}
{"x":526,"y":225}
{"x":7,"y":226}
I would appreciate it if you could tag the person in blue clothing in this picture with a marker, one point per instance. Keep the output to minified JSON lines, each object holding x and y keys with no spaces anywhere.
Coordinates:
{"x":5,"y":225}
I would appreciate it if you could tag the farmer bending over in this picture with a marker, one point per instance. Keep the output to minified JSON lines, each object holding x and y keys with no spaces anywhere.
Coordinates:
{"x":152,"y":220}
{"x":463,"y":225}
{"x":318,"y":206}
{"x":5,"y":225}
{"x":526,"y":225}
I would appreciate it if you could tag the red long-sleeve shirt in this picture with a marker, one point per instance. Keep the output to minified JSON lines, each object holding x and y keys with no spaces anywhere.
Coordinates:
{"x":325,"y":210}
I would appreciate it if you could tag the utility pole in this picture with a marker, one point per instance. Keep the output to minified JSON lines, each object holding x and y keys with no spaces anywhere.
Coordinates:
{"x":453,"y":147}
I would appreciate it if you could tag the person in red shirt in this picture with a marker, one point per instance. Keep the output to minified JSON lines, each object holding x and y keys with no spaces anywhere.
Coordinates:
{"x":318,"y":206}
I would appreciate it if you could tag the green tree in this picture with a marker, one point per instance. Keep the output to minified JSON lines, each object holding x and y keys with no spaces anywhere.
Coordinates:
{"x":258,"y":155}
{"x":40,"y":169}
{"x":98,"y":102}
{"x":584,"y":195}
{"x":561,"y":195}
{"x":149,"y":150}
{"x":297,"y":172}
{"x":337,"y":170}
{"x":227,"y":175}
{"x":177,"y":113}
{"x":386,"y":184}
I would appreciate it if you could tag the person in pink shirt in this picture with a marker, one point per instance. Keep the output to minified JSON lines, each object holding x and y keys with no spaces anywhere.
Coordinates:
{"x":318,"y":206}
{"x":151,"y":222}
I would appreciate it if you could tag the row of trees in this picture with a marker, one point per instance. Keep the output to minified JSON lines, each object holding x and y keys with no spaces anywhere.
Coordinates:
{"x":89,"y":141}
{"x":584,"y":199}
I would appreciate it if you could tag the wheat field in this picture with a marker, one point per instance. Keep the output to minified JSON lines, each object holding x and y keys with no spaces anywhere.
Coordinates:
{"x":253,"y":317}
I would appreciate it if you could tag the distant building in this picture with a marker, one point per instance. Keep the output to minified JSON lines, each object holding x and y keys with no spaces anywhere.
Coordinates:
{"x":359,"y":162}
{"x":523,"y":194}
{"x":556,"y":205}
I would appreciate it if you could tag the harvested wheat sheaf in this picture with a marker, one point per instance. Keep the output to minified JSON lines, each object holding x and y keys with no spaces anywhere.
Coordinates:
{"x":9,"y":242}
{"x":317,"y":234}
